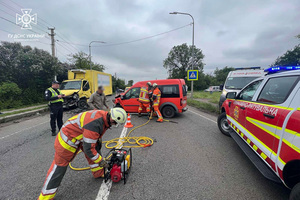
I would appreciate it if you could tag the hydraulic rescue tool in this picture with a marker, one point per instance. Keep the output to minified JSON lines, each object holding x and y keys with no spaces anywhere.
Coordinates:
{"x":120,"y":163}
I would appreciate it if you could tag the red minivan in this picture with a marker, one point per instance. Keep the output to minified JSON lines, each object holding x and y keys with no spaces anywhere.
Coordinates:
{"x":173,"y":97}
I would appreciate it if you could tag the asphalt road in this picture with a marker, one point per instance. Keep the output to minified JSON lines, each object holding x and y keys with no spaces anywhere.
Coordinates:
{"x":189,"y":160}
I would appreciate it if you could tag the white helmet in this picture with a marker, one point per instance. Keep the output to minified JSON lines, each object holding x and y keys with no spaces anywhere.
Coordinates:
{"x":149,"y":83}
{"x":154,"y":85}
{"x":118,"y":115}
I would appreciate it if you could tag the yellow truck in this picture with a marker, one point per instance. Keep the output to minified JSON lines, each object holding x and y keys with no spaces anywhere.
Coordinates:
{"x":81,"y":84}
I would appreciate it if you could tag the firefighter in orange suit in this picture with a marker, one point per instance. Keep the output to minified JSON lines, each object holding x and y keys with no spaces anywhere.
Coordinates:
{"x":144,"y":99}
{"x":80,"y":132}
{"x":156,"y":100}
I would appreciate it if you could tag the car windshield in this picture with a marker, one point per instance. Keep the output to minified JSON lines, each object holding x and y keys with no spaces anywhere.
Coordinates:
{"x":71,"y":85}
{"x":237,"y":83}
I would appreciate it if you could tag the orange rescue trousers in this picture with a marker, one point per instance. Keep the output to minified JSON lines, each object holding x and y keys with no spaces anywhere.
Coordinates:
{"x":56,"y":172}
{"x":144,"y":105}
{"x":156,"y":110}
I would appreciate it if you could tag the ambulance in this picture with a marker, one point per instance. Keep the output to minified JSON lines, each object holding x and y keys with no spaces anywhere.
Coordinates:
{"x":264,"y":120}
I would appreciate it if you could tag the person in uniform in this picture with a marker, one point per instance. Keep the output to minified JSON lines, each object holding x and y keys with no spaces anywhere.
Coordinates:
{"x":55,"y":98}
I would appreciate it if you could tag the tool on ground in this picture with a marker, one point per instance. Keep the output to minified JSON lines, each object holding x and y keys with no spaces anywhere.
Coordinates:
{"x":119,"y":165}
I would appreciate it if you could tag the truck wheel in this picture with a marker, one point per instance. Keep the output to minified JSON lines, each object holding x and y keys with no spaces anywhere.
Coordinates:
{"x":82,"y":104}
{"x":295,"y":194}
{"x":168,"y":111}
{"x":223,"y":124}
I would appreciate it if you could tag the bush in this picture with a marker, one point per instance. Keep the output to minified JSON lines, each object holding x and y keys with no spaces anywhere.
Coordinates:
{"x":9,"y":95}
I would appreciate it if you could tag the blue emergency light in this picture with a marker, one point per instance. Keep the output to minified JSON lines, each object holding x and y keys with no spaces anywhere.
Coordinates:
{"x":281,"y":68}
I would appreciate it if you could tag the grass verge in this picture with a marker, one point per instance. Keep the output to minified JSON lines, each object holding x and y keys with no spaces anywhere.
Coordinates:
{"x":21,"y":111}
{"x":203,"y":106}
{"x":213,"y":98}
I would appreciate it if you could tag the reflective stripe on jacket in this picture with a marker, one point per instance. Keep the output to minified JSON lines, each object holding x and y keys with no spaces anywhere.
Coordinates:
{"x":144,"y":96}
{"x":82,"y":130}
{"x":54,"y":94}
{"x":156,"y":94}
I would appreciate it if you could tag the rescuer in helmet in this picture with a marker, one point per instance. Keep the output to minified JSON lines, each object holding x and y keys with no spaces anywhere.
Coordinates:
{"x":80,"y":132}
{"x":156,"y":100}
{"x":144,"y":98}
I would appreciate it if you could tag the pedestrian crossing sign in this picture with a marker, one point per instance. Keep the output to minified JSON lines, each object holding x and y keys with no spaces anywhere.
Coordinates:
{"x":192,"y":75}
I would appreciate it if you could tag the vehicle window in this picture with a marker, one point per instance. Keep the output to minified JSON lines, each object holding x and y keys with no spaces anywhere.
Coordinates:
{"x":86,"y":86}
{"x":169,"y":91}
{"x":133,"y":93}
{"x":71,"y":85}
{"x":184,"y":90}
{"x":237,"y":83}
{"x":277,"y":89}
{"x":247,"y":93}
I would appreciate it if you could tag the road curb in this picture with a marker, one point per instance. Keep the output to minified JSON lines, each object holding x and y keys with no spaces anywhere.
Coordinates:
{"x":21,"y":115}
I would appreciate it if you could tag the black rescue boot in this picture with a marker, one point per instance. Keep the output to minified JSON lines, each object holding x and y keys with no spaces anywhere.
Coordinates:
{"x":54,"y":133}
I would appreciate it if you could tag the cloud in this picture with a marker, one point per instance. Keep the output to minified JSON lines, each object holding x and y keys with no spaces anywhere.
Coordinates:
{"x":230,"y":33}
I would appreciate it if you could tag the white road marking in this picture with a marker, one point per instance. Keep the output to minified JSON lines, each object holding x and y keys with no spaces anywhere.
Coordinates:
{"x":104,"y":190}
{"x":22,"y":130}
{"x":203,"y":116}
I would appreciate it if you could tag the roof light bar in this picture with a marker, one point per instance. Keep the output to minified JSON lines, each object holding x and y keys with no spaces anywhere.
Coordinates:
{"x":243,"y":68}
{"x":281,"y":68}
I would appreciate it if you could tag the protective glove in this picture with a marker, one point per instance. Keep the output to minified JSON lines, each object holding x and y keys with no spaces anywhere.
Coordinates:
{"x":103,"y":163}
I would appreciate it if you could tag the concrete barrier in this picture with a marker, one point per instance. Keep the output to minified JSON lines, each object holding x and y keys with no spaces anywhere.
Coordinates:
{"x":23,"y":114}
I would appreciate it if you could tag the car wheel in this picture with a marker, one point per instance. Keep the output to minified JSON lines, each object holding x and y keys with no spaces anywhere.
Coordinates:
{"x":295,"y":194}
{"x":223,"y":124}
{"x":82,"y":104}
{"x":168,"y":111}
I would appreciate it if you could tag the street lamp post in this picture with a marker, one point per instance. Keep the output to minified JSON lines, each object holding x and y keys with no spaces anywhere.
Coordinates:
{"x":181,"y":13}
{"x":90,"y":51}
{"x":90,"y":58}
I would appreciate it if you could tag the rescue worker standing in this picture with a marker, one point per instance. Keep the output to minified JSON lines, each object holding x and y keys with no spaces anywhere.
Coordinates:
{"x":156,"y":100}
{"x":144,"y":99}
{"x":98,"y":99}
{"x":80,"y":132}
{"x":55,"y":98}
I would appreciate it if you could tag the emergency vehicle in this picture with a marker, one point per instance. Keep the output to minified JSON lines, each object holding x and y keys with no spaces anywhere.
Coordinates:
{"x":173,"y":97}
{"x":264,"y":120}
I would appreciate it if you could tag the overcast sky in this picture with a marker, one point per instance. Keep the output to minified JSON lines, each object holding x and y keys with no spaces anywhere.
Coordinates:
{"x":236,"y":33}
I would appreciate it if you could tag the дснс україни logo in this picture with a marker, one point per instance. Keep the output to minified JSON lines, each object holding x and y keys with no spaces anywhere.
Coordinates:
{"x":26,"y":19}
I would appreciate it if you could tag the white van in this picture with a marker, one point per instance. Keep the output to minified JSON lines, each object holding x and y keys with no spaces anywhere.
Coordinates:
{"x":238,"y":79}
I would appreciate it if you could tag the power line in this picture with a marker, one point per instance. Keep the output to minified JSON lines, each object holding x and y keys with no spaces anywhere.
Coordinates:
{"x":145,"y":38}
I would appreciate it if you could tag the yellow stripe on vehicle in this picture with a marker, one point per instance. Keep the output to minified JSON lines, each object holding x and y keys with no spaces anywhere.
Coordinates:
{"x":291,"y":145}
{"x":273,"y":106}
{"x":292,"y":132}
{"x":65,"y":145}
{"x":248,"y":140}
{"x":284,"y":163}
{"x":268,"y":148}
{"x":255,"y":147}
{"x":252,"y":121}
{"x":264,"y":156}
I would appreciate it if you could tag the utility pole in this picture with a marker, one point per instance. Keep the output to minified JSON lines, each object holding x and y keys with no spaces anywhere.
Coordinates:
{"x":52,"y":34}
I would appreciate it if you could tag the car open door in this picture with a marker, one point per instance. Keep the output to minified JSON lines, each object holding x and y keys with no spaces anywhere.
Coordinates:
{"x":130,"y":100}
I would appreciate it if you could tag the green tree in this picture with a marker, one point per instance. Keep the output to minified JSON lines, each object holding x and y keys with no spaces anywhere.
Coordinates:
{"x":221,"y":74}
{"x":31,"y":69}
{"x":81,"y":60}
{"x":130,"y":83}
{"x":118,"y":83}
{"x":291,"y":57}
{"x":9,"y":95}
{"x":180,"y":59}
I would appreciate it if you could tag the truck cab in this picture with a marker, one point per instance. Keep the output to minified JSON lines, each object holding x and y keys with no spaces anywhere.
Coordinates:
{"x":81,"y":84}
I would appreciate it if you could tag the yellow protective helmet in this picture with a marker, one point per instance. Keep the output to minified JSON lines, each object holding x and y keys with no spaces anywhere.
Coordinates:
{"x":118,"y":115}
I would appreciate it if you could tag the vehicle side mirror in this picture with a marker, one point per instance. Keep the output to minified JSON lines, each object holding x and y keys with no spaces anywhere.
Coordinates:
{"x":122,"y":97}
{"x":231,"y":95}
